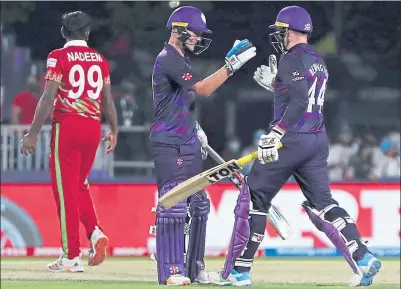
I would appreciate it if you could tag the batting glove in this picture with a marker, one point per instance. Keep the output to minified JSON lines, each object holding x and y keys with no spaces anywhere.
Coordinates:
{"x":265,"y":75}
{"x":241,"y":53}
{"x":268,"y":146}
{"x":203,"y":140}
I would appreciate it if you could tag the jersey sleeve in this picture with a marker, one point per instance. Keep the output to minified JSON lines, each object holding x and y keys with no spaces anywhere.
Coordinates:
{"x":179,"y":71}
{"x":54,"y":67}
{"x":293,"y":77}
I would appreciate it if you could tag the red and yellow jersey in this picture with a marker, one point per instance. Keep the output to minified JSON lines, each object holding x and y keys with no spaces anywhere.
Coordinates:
{"x":82,"y":72}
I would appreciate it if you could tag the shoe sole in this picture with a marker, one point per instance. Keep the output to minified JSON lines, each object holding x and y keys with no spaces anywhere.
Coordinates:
{"x":202,"y":282}
{"x":100,"y":252}
{"x":243,"y":284}
{"x":182,"y":284}
{"x":367,"y":279}
{"x":66,"y":270}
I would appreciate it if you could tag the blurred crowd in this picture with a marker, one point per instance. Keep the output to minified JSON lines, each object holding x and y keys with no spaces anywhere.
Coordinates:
{"x":352,"y":157}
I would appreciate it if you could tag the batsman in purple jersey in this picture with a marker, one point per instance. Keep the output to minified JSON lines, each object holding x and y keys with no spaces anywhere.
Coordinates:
{"x":173,"y":97}
{"x":299,"y":86}
{"x":177,"y":143}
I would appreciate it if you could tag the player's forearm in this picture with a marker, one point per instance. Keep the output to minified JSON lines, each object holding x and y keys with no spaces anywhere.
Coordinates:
{"x":42,"y":112}
{"x":110,"y":112}
{"x":208,"y":85}
{"x":16,"y":111}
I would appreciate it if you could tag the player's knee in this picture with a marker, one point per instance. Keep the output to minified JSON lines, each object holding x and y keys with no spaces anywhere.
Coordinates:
{"x":199,"y":196}
{"x":177,"y":211}
{"x":337,"y":213}
{"x":257,"y":218}
{"x":334,"y":214}
{"x":259,"y":201}
{"x":167,"y":187}
{"x":323,"y":203}
{"x":199,"y":207}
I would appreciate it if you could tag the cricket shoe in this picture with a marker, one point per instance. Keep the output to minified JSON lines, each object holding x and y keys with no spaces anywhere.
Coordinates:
{"x":203,"y":277}
{"x":240,"y":279}
{"x":234,"y":279}
{"x":178,"y":280}
{"x":368,"y":267}
{"x":215,"y":278}
{"x":66,"y":265}
{"x":98,"y":249}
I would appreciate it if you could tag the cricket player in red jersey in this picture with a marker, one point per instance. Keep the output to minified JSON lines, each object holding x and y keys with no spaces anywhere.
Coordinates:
{"x":78,"y":88}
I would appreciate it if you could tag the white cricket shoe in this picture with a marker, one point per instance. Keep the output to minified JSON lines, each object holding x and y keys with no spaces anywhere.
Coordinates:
{"x":98,"y":250}
{"x":67,"y":265}
{"x":178,"y":280}
{"x":203,"y":277}
{"x":215,"y":278}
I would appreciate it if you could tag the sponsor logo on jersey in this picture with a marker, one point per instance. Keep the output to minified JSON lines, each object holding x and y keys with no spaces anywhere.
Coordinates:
{"x":51,"y":62}
{"x":297,"y":76}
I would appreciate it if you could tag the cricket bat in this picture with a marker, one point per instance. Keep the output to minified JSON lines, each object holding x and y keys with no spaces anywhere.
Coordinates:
{"x":204,"y":179}
{"x":274,"y":217}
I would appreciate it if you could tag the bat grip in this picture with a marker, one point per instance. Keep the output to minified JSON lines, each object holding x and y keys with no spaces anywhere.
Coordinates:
{"x":248,"y":158}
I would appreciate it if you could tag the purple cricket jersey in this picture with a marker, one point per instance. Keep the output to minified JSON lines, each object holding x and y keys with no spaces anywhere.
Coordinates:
{"x":173,"y":98}
{"x":300,"y":86}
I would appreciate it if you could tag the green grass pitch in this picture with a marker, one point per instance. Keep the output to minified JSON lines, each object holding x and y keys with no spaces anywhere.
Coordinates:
{"x":140,"y":273}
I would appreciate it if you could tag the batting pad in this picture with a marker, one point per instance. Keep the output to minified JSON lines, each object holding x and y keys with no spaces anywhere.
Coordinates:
{"x":241,"y":230}
{"x":170,"y":225}
{"x":169,"y":247}
{"x":199,"y":210}
{"x":333,"y":233}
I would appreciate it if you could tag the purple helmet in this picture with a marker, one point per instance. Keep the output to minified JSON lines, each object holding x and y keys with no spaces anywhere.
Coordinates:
{"x":291,"y":17}
{"x":190,"y":18}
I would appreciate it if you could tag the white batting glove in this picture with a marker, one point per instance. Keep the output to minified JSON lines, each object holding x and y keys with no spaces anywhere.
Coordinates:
{"x":268,"y":146}
{"x":203,"y":140}
{"x":265,"y":75}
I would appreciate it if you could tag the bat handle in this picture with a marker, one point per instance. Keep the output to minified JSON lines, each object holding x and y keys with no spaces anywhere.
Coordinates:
{"x":248,"y":158}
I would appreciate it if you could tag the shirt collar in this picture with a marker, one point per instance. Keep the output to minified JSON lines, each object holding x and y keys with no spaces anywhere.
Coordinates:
{"x":76,"y":43}
{"x":169,"y":47}
{"x":301,"y":45}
